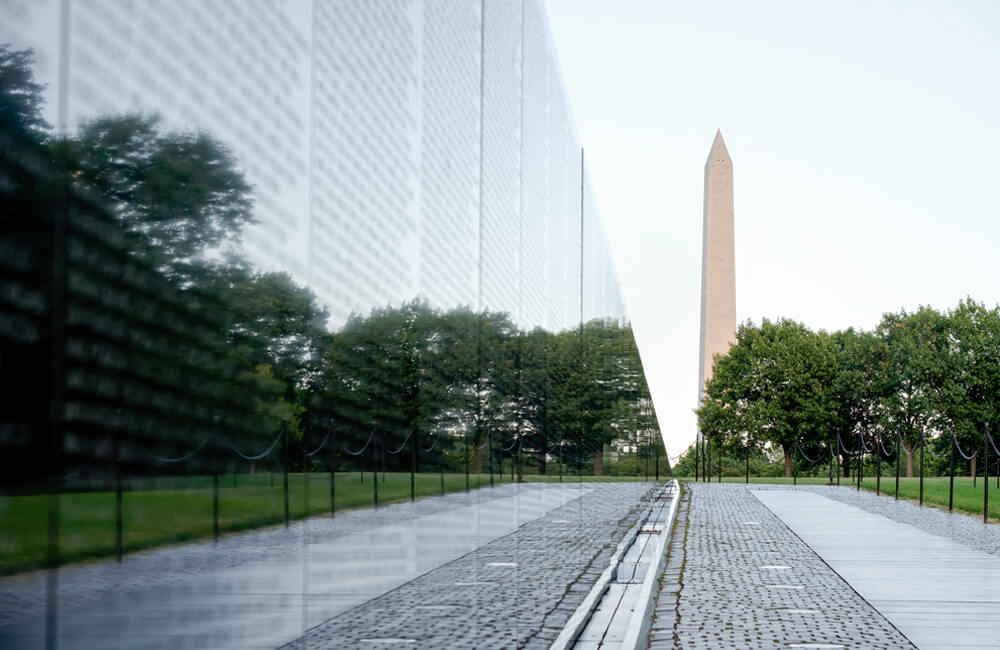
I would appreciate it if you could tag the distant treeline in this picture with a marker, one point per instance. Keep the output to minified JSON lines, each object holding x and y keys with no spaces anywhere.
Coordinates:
{"x":926,"y":375}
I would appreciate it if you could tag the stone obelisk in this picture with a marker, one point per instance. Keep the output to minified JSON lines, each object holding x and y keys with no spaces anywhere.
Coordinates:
{"x":718,"y":268}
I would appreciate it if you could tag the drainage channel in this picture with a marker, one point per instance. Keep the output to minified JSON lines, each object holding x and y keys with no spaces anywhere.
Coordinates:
{"x":617,"y":612}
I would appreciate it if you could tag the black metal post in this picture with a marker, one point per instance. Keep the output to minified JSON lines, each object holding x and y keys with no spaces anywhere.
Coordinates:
{"x":413,"y":465}
{"x":333,"y":472}
{"x":921,"y":500}
{"x":375,"y":469}
{"x":878,"y":468}
{"x":861,"y":458}
{"x":720,"y":464}
{"x":986,"y":473}
{"x":215,"y":503}
{"x":748,"y":465}
{"x":697,"y":455}
{"x":560,"y":462}
{"x":899,"y":452}
{"x":951,"y":471}
{"x":707,"y":475}
{"x":489,"y":443}
{"x":118,"y":500}
{"x":284,"y":464}
{"x":466,"y":461}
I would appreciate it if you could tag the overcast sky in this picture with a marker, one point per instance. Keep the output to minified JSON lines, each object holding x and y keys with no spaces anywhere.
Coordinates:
{"x":865,"y":143}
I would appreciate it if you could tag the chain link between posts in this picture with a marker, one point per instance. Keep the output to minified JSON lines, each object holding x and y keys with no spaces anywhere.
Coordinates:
{"x":362,"y":450}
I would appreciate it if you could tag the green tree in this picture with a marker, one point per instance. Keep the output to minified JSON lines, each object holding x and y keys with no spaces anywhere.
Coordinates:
{"x":859,"y":391}
{"x":182,"y":192}
{"x":21,"y":99}
{"x":916,"y":374}
{"x":774,"y":383}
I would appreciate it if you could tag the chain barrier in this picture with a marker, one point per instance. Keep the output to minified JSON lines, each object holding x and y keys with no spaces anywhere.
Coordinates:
{"x":803,"y":454}
{"x":881,"y":443}
{"x":433,"y":444}
{"x":403,"y":444}
{"x":517,"y":442}
{"x":959,"y":448}
{"x":989,"y":437}
{"x":266,"y":452}
{"x":187,"y":456}
{"x":924,"y":439}
{"x":864,"y":447}
{"x":840,"y":441}
{"x":362,"y":450}
{"x":321,"y":445}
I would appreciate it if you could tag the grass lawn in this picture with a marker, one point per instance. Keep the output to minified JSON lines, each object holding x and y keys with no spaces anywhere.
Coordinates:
{"x":968,"y":498}
{"x":177,"y":509}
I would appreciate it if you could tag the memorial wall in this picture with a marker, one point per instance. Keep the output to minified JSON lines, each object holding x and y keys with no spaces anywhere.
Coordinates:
{"x":279,"y":246}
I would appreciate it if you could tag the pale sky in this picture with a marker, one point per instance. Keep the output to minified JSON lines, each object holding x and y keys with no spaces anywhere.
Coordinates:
{"x":865,"y":142}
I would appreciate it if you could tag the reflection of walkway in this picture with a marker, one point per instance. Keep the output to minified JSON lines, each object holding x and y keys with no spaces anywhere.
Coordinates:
{"x":289,"y":581}
{"x":821,"y":567}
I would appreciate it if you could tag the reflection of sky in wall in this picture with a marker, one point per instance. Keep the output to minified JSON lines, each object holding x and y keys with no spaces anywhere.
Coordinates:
{"x":238,"y":70}
{"x":358,"y":124}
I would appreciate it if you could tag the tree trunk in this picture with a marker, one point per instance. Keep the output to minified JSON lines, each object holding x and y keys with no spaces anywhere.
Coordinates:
{"x":845,"y":467}
{"x":788,"y":465}
{"x":972,"y":466}
{"x":909,"y":465}
{"x":477,"y":459}
{"x":598,"y":458}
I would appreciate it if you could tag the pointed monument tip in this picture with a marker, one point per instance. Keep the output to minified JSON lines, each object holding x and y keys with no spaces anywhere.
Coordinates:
{"x":718,"y":151}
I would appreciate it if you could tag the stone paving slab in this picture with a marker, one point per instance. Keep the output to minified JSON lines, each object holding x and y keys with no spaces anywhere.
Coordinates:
{"x":943,"y":595}
{"x":738,"y":577}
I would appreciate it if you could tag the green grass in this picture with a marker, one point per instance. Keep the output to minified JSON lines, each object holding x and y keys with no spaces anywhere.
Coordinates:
{"x":177,"y":509}
{"x":968,"y":499}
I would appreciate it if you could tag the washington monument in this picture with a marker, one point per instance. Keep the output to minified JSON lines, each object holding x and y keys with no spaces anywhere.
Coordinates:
{"x":718,"y":272}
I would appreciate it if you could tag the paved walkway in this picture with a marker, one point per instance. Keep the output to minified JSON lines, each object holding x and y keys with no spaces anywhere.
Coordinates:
{"x":940,"y":594}
{"x":742,"y":579}
{"x":826,"y":567}
{"x":493,"y":568}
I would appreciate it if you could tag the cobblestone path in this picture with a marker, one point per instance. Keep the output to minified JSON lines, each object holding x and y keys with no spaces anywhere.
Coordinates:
{"x":739,"y":578}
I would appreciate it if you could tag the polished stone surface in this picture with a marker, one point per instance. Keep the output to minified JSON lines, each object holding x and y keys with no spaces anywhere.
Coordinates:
{"x":320,"y":570}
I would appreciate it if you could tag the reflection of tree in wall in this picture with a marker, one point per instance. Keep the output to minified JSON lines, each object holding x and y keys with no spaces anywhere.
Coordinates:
{"x":134,"y":328}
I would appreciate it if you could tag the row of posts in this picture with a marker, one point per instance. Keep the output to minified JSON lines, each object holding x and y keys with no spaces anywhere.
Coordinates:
{"x":515,"y":460}
{"x":703,"y":467}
